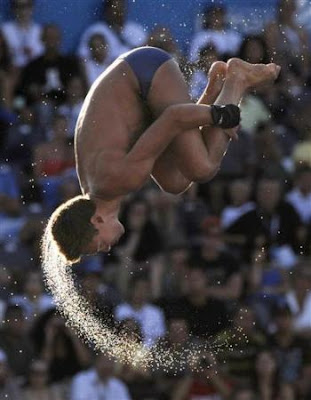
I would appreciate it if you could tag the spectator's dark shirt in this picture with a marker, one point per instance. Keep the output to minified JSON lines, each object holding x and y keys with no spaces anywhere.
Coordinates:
{"x":19,"y":351}
{"x":204,"y":320}
{"x":50,"y":75}
{"x":280,"y":228}
{"x":218,"y":271}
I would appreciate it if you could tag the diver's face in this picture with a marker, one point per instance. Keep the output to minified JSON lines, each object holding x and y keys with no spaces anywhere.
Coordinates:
{"x":109,"y":231}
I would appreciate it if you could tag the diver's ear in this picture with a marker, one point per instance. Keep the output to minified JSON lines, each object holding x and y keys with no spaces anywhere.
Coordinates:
{"x":96,"y":219}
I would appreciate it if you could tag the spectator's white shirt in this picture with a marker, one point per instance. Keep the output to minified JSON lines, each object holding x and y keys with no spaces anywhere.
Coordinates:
{"x":149,"y":317}
{"x":230,"y":214}
{"x":133,"y":35}
{"x":301,"y":203}
{"x":226,"y":42}
{"x":87,"y":386}
{"x":24,"y":44}
{"x":302,"y":316}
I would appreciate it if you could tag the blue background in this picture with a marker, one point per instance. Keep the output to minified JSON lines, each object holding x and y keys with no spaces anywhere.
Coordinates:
{"x":180,"y":15}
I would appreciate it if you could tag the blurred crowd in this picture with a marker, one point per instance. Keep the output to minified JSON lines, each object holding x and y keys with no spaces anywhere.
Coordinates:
{"x":226,"y":264}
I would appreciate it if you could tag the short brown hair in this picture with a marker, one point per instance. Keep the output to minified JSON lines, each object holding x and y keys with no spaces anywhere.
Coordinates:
{"x":71,"y":227}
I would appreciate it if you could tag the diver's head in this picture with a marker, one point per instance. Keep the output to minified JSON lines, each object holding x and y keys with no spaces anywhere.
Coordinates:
{"x":79,"y":228}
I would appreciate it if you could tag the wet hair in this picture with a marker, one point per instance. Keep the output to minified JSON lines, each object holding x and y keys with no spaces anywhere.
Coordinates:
{"x":71,"y":228}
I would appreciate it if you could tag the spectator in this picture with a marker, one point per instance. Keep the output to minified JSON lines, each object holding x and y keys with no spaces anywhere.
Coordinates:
{"x":216,"y":32}
{"x":37,"y":386}
{"x":44,"y":79}
{"x":59,"y":347}
{"x":254,"y":50}
{"x":52,"y":159}
{"x":98,"y":60}
{"x":15,"y":340}
{"x":149,"y":317}
{"x":162,"y":38}
{"x":273,"y":221}
{"x":33,"y":300}
{"x":75,"y":93}
{"x":286,"y":40}
{"x":291,"y":352}
{"x":120,"y":34}
{"x":222,"y":268}
{"x":141,"y":246}
{"x":244,"y":341}
{"x":243,"y":393}
{"x":7,"y":77}
{"x":11,"y":218}
{"x":99,"y":382}
{"x":9,"y":389}
{"x":300,"y":196}
{"x":299,"y":298}
{"x":199,"y":78}
{"x":240,"y":202}
{"x":23,"y":34}
{"x":205,"y":316}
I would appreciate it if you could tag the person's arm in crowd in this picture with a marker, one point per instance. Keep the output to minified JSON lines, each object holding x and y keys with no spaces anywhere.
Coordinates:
{"x":229,"y":291}
{"x":265,"y":369}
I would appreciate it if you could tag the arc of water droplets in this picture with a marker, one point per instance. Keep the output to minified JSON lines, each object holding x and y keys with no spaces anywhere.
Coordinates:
{"x":78,"y":312}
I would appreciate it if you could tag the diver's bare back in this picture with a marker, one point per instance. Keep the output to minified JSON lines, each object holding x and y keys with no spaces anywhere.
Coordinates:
{"x":110,"y":121}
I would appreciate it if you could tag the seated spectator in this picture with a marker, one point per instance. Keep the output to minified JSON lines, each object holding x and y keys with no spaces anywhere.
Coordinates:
{"x":52,"y":159}
{"x":11,"y":218}
{"x":120,"y":34}
{"x":177,"y":340}
{"x":269,"y":152}
{"x":299,"y":298}
{"x":273,"y":222}
{"x":59,"y":347}
{"x":286,"y":40}
{"x":97,"y":60}
{"x":75,"y":93}
{"x":138,"y":307}
{"x":141,"y":246}
{"x":33,"y":300}
{"x":140,"y":381}
{"x":292,"y":353}
{"x":175,"y":284}
{"x":207,"y":382}
{"x":300,"y":196}
{"x":22,"y":136}
{"x":7,"y":77}
{"x":15,"y":340}
{"x":266,"y":286}
{"x":205,"y":316}
{"x":102,"y":298}
{"x":240,"y":202}
{"x":221,"y":267}
{"x":254,"y":50}
{"x":191,"y":210}
{"x":244,"y":341}
{"x":215,"y":31}
{"x":22,"y":34}
{"x":9,"y":389}
{"x":44,"y":79}
{"x":37,"y":385}
{"x":162,"y":38}
{"x":99,"y":382}
{"x":199,"y":78}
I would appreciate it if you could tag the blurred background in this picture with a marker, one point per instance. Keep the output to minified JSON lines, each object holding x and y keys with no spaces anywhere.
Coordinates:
{"x":226,"y":264}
